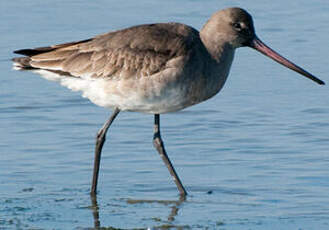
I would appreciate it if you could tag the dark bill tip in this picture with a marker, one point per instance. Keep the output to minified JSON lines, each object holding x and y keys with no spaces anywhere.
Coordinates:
{"x":258,"y":45}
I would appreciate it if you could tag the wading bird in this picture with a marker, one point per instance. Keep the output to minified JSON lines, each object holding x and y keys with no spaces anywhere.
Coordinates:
{"x":153,"y":68}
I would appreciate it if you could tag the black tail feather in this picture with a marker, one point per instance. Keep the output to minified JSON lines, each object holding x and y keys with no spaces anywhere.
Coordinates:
{"x":22,"y":62}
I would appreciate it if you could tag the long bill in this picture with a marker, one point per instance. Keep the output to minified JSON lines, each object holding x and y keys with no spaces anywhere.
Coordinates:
{"x":258,"y":45}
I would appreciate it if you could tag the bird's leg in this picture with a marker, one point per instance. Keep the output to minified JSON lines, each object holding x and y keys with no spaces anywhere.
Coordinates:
{"x":158,"y":144}
{"x":100,"y":139}
{"x":95,"y":210}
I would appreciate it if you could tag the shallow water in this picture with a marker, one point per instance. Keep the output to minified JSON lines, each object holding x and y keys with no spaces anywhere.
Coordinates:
{"x":253,"y":157}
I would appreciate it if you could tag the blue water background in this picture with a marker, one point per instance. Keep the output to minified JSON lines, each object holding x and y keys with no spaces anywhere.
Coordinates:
{"x":261,"y":146}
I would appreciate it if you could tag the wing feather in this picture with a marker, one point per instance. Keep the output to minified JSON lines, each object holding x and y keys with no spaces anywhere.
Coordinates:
{"x":136,"y":51}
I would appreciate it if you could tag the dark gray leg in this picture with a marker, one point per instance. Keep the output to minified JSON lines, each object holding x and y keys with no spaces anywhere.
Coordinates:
{"x":95,"y":210}
{"x":158,"y":144}
{"x":100,"y":139}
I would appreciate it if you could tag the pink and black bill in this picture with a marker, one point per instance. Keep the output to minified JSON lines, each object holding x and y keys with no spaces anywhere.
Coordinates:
{"x":258,"y":45}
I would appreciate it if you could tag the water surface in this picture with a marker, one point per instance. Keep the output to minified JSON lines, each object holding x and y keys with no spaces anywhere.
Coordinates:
{"x":260,"y":146}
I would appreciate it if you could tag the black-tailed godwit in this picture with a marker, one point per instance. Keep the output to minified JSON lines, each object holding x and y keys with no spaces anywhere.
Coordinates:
{"x":153,"y":68}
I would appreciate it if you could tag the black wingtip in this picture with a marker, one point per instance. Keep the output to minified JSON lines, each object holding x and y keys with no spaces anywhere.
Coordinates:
{"x":31,"y":52}
{"x":19,"y":51}
{"x":40,"y":50}
{"x":26,"y":52}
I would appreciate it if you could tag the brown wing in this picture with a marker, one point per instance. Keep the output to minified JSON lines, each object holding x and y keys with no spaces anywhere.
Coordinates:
{"x":137,"y":51}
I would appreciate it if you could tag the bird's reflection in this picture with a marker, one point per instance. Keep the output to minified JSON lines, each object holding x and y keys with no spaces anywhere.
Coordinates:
{"x":174,"y":205}
{"x":95,"y":210}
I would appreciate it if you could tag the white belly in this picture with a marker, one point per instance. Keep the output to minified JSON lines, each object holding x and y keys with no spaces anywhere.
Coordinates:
{"x":147,"y":95}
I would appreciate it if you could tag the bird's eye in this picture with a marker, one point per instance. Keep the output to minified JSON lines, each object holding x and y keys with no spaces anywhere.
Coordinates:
{"x":237,"y":26}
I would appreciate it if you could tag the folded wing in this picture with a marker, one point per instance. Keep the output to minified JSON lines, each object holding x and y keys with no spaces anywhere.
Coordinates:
{"x":134,"y":52}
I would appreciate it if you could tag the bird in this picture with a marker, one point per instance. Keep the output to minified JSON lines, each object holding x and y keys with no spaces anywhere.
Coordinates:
{"x":151,"y":68}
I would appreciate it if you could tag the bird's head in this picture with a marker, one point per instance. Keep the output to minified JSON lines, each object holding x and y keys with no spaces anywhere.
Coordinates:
{"x":234,"y":26}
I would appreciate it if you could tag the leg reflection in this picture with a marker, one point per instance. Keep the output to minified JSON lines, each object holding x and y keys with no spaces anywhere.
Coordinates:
{"x":175,"y":208}
{"x":95,"y":210}
{"x":174,"y":205}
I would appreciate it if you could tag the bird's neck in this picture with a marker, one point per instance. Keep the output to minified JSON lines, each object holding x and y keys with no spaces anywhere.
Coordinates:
{"x":222,"y":54}
{"x":219,"y":48}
